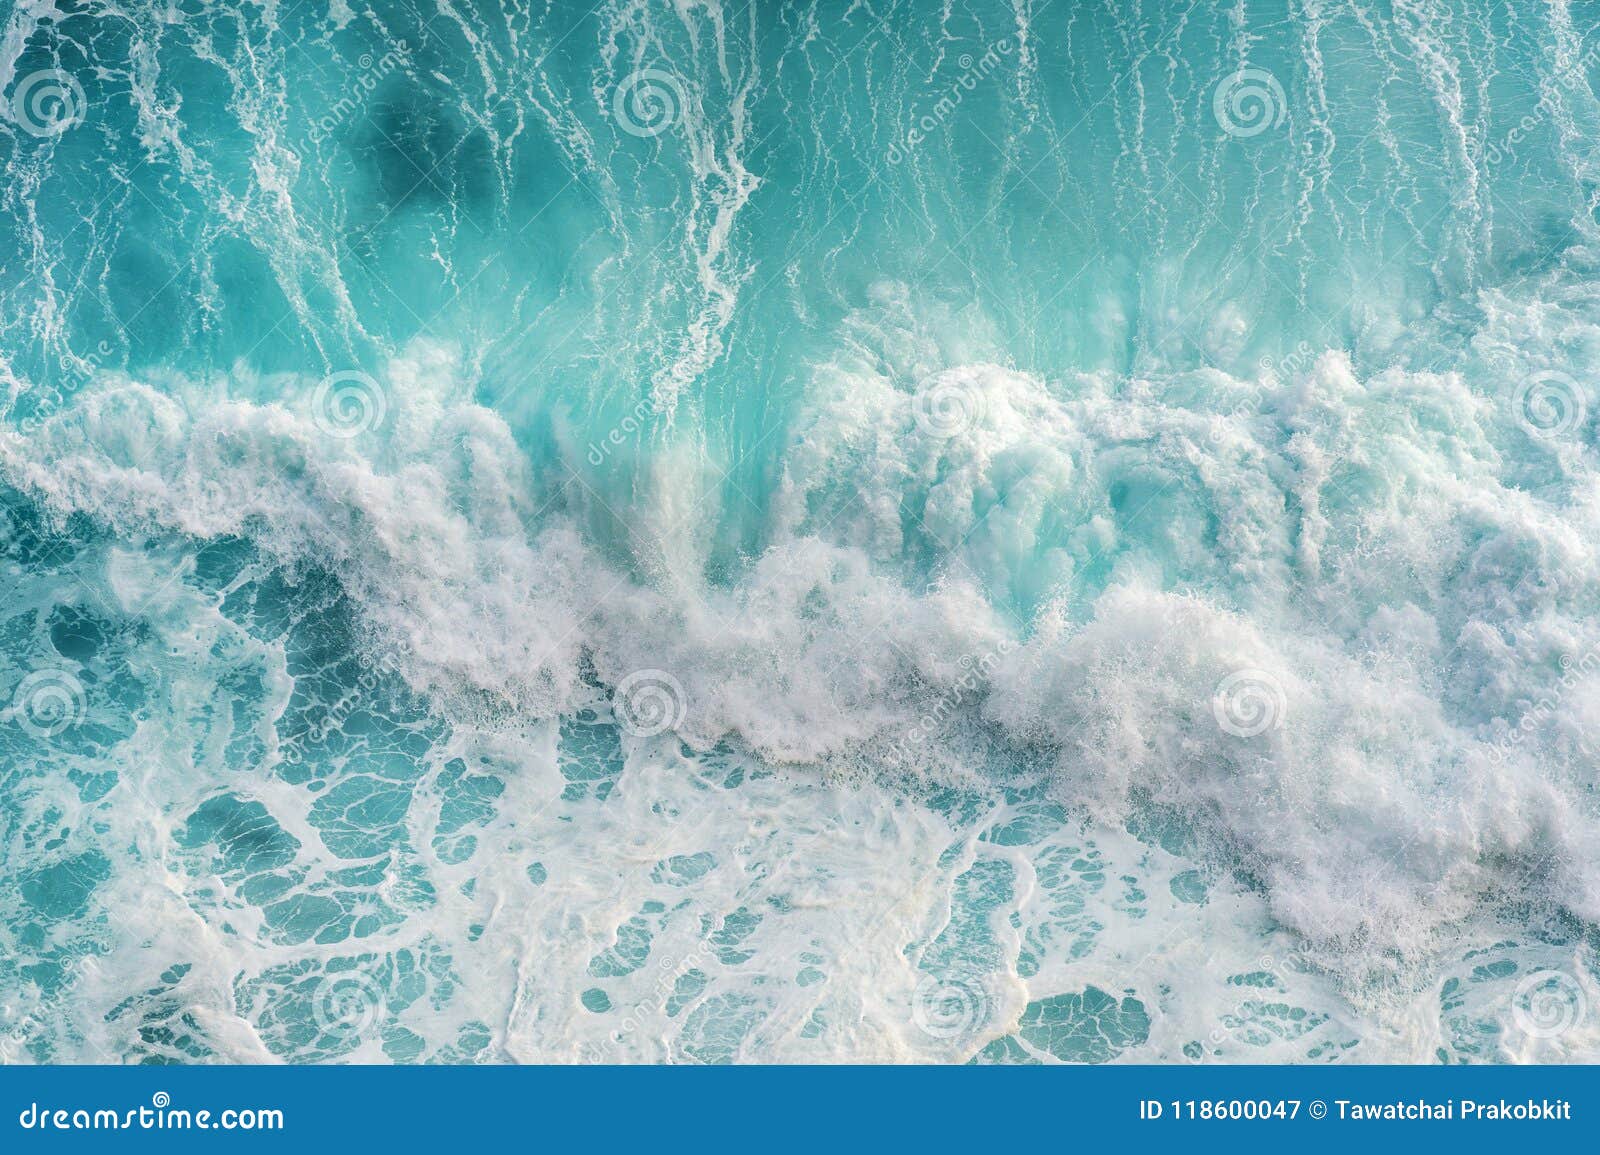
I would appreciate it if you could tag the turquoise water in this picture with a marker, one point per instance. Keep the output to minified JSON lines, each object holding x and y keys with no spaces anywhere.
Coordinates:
{"x":711,"y":532}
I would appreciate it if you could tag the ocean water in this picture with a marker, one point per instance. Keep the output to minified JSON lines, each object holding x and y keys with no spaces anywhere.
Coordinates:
{"x":1014,"y":531}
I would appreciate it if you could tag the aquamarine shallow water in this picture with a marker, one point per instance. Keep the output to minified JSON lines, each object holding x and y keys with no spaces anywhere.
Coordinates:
{"x":1011,"y":532}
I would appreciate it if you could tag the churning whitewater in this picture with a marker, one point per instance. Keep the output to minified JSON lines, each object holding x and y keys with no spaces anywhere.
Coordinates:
{"x":1011,"y":532}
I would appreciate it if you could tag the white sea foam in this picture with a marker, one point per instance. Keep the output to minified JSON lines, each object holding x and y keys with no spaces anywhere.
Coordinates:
{"x":1173,"y":705}
{"x":1385,"y":815}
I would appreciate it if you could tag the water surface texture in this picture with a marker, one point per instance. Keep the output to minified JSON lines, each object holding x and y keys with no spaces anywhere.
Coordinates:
{"x":1006,"y":531}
